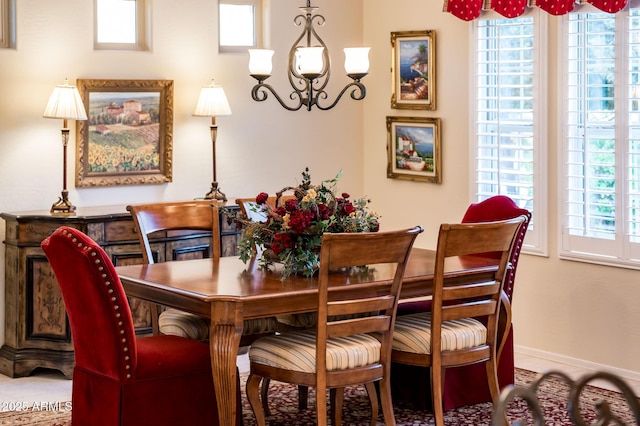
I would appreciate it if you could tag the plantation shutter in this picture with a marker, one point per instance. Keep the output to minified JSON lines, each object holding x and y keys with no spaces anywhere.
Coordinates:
{"x":505,"y":125}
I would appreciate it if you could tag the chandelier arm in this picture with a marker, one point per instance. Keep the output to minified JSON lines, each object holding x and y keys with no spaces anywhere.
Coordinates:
{"x":358,"y":93}
{"x":259,"y":94}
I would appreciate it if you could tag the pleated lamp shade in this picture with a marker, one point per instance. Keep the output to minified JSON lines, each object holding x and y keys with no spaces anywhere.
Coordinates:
{"x":65,"y":102}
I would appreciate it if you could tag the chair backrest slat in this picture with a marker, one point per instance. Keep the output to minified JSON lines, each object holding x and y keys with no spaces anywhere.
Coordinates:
{"x":468,"y":310}
{"x":364,"y":305}
{"x":472,"y":290}
{"x":348,"y":327}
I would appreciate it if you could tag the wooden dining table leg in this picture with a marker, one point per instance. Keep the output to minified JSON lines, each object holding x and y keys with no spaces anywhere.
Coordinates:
{"x":224,"y":340}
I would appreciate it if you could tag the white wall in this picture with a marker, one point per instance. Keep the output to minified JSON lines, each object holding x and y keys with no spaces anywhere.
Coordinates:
{"x":261,"y":147}
{"x":573,"y":312}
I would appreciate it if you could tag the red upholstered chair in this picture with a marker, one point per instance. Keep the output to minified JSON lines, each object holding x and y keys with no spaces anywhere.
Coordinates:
{"x":119,"y":379}
{"x":467,"y":385}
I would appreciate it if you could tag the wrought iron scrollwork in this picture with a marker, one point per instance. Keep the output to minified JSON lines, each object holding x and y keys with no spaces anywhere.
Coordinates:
{"x":602,"y":407}
{"x":308,"y":90}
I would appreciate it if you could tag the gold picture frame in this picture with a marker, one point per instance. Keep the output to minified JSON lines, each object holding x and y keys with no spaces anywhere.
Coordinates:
{"x":413,"y":71}
{"x":128,"y":137}
{"x":413,"y":149}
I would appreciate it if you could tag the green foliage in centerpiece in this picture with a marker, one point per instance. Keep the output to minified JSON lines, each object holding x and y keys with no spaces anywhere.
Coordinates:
{"x":292,"y":231}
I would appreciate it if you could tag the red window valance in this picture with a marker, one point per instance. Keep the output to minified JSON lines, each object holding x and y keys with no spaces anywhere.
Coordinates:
{"x":469,"y":10}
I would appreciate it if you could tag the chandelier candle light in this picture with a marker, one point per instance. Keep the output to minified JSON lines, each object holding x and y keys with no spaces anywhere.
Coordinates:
{"x":65,"y":103}
{"x":211,"y":103}
{"x":309,"y":69}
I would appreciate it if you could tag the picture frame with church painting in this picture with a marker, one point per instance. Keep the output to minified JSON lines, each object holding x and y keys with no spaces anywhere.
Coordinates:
{"x":128,"y":136}
{"x":413,"y":149}
{"x":413,"y":68}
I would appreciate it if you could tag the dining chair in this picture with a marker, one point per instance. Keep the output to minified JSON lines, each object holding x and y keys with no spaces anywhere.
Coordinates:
{"x":198,"y":215}
{"x":119,"y":379}
{"x":451,"y":334}
{"x":339,"y":351}
{"x":465,"y":385}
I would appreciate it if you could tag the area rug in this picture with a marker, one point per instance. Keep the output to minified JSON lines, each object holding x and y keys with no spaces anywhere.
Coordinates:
{"x":552,"y":394}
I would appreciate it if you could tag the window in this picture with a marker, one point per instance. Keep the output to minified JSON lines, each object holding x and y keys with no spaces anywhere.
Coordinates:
{"x":508,"y":156}
{"x":120,"y":25}
{"x":601,"y":137}
{"x":7,"y":23}
{"x":239,"y":25}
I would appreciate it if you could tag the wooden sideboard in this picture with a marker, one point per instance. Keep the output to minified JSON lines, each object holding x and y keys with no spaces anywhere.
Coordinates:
{"x":37,"y":332}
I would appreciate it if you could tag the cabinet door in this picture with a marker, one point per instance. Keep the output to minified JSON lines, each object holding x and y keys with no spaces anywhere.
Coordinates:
{"x":45,"y":316}
{"x":187,"y":249}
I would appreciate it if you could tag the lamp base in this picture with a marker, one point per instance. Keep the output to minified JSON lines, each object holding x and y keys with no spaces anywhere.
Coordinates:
{"x":215,"y":194}
{"x":63,"y":205}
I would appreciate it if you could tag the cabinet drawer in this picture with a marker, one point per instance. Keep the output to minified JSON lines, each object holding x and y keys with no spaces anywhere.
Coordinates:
{"x":121,"y":230}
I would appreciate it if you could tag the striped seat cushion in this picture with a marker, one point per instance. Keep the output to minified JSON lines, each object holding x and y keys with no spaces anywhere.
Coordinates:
{"x":297,"y":351}
{"x":179,"y":323}
{"x":412,"y":333}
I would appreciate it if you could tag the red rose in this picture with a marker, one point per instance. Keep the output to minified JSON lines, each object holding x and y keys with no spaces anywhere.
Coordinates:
{"x":291,"y":205}
{"x":262,"y":198}
{"x":281,"y":242}
{"x":299,"y":220}
{"x":347,"y":208}
{"x":324,"y":212}
{"x":345,"y":195}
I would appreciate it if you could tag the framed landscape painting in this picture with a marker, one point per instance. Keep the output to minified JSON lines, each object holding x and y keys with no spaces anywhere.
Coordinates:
{"x":413,"y":149}
{"x":127,"y":139}
{"x":413,"y":70}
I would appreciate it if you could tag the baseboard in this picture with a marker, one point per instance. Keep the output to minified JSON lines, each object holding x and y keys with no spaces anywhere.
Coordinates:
{"x":576,"y":362}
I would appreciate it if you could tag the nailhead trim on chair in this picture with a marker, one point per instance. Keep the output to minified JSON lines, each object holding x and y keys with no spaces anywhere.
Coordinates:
{"x":116,"y":307}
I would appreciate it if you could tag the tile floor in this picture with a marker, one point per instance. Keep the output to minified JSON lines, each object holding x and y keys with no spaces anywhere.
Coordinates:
{"x":51,"y":386}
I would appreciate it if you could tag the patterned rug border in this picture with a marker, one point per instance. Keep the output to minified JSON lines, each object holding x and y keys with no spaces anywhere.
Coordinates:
{"x":553,"y":399}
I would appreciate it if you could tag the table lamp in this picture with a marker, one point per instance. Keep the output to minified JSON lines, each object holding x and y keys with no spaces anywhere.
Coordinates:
{"x":65,"y":103}
{"x":211,"y":103}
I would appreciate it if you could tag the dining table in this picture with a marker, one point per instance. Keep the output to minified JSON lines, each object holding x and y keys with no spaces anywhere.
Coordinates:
{"x":228,"y":291}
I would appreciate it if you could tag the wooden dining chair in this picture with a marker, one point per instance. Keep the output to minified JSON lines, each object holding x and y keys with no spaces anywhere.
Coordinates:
{"x":119,"y":379}
{"x":340,"y":352}
{"x":465,"y":385}
{"x":451,"y":333}
{"x":199,"y":215}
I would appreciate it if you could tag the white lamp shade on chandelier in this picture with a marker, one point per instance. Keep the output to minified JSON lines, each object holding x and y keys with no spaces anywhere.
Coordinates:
{"x":356,"y":60}
{"x":65,"y":103}
{"x":260,"y":61}
{"x":309,"y":60}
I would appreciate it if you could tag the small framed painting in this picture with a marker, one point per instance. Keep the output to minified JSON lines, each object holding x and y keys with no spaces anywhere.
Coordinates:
{"x":413,"y":70}
{"x":127,"y":139}
{"x":413,"y":149}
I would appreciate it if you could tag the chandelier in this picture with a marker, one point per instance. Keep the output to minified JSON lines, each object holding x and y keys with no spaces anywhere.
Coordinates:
{"x":309,"y":68}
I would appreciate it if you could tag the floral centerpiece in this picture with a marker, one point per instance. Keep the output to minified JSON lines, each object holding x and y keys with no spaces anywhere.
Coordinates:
{"x":291,"y":233}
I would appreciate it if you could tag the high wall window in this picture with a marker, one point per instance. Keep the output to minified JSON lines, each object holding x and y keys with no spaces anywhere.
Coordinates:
{"x":601,"y":137}
{"x":7,"y":23}
{"x":239,"y":25}
{"x":509,"y":157}
{"x":120,"y":25}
